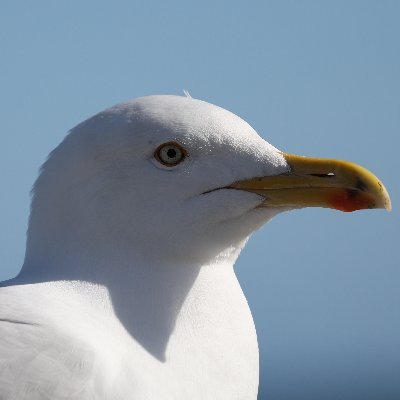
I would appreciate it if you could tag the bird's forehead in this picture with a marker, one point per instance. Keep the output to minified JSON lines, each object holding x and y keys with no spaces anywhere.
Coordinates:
{"x":139,"y":126}
{"x":177,"y":117}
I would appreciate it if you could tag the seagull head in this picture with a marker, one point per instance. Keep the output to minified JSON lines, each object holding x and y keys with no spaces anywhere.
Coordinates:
{"x":176,"y":178}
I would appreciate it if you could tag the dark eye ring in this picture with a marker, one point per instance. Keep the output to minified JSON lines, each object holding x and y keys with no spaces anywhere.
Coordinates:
{"x":170,"y":154}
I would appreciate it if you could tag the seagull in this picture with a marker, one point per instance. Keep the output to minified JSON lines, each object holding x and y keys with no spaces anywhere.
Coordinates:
{"x":128,"y":290}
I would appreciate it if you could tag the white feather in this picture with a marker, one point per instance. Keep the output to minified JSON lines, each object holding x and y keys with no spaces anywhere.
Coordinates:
{"x":127,"y":290}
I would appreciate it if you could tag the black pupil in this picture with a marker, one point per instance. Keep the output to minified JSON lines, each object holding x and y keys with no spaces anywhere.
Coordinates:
{"x":171,"y":153}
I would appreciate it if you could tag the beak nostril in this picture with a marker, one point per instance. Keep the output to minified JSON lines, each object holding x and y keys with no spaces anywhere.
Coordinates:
{"x":328,"y":175}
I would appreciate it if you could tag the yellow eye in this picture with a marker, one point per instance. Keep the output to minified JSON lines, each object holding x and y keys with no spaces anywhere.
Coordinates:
{"x":170,"y":154}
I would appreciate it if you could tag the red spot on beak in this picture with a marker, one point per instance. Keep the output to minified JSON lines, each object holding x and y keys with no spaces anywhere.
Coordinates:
{"x":350,"y":200}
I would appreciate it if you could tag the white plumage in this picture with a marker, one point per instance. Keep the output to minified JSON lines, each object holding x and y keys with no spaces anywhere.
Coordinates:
{"x":127,"y":290}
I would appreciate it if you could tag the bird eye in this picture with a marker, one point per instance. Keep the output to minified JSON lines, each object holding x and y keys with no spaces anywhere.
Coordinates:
{"x":170,"y":154}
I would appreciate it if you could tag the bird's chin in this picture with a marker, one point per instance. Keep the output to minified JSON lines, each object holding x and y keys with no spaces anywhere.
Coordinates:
{"x":242,"y":205}
{"x":227,"y":204}
{"x":259,"y":216}
{"x":235,"y":228}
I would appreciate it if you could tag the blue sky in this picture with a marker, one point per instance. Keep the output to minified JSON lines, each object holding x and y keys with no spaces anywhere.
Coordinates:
{"x":313,"y":77}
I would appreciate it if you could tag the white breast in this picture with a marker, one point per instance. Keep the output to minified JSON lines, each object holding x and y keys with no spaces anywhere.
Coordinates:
{"x":212,"y":352}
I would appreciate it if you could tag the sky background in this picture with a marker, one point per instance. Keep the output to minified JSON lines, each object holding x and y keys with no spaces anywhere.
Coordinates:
{"x":312,"y":77}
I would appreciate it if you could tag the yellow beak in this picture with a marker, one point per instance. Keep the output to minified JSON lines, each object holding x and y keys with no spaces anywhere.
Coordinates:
{"x":319,"y":182}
